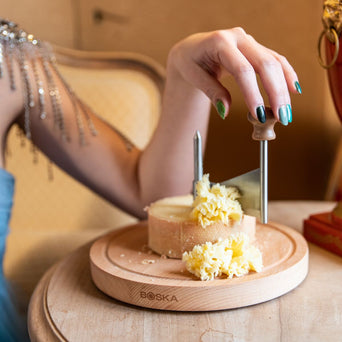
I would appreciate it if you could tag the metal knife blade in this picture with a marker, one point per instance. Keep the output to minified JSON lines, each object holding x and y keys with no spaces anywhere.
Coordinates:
{"x":249,"y":188}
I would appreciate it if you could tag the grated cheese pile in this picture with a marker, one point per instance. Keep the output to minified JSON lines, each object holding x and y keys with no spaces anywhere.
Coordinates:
{"x":234,"y":256}
{"x":215,"y":204}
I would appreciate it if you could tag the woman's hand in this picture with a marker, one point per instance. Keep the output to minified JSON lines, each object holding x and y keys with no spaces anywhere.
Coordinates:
{"x":132,"y":179}
{"x":203,"y":59}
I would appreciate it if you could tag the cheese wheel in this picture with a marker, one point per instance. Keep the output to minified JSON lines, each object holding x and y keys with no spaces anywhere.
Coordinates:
{"x":171,"y":232}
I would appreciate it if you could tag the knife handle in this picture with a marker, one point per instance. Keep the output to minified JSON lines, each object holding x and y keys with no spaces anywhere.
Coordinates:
{"x":263,"y":131}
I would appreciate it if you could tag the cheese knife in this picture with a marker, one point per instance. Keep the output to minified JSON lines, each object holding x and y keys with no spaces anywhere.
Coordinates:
{"x":263,"y":132}
{"x":253,"y":185}
{"x":248,"y":183}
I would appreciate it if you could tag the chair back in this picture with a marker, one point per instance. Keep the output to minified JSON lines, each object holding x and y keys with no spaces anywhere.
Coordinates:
{"x":125,"y":90}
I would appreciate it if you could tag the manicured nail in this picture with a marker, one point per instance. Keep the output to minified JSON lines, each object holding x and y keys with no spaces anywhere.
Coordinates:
{"x":283,"y":115}
{"x":289,"y":113}
{"x":220,"y":108}
{"x":261,"y":114}
{"x":298,"y":87}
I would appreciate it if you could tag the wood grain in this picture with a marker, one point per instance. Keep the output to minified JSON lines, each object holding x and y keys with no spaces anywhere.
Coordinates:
{"x":44,"y":328}
{"x":311,"y":312}
{"x":123,"y":270}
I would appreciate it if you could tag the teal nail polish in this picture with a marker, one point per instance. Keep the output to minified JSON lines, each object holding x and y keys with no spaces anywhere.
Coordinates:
{"x":289,"y":113}
{"x":220,"y":108}
{"x":283,"y":115}
{"x":298,"y":87}
{"x":261,"y":114}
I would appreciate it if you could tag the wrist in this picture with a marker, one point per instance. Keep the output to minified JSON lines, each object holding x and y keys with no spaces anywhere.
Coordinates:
{"x":183,"y":101}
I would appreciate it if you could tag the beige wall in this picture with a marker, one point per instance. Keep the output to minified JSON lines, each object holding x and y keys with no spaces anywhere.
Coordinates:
{"x":301,"y":156}
{"x":50,"y":20}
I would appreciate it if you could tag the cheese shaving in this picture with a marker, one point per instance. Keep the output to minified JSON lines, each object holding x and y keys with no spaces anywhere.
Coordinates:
{"x":215,"y":204}
{"x":234,"y":256}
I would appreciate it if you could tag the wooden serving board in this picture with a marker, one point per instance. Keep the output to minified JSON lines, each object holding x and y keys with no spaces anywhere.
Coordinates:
{"x":123,"y":267}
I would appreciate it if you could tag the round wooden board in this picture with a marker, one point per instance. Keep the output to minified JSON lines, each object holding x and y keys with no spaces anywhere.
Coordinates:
{"x":123,"y":267}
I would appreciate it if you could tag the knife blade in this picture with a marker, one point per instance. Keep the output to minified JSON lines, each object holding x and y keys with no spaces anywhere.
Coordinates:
{"x":248,"y":185}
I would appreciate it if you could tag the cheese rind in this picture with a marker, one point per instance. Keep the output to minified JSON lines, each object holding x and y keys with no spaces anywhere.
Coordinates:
{"x":171,"y":231}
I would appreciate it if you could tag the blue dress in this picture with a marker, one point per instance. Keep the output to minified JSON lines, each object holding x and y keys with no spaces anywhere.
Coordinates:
{"x":12,"y":326}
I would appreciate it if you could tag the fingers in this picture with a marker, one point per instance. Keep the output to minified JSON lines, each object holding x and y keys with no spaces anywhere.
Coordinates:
{"x":209,"y":84}
{"x":274,"y":82}
{"x":276,"y":74}
{"x":202,"y":59}
{"x":290,"y":75}
{"x":244,"y":58}
{"x":237,"y":65}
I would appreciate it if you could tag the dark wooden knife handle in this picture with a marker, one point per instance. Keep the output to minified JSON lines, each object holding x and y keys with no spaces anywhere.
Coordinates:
{"x":263,"y":131}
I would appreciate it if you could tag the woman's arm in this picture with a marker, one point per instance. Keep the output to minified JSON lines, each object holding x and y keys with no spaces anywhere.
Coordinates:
{"x":132,"y":179}
{"x":195,"y":66}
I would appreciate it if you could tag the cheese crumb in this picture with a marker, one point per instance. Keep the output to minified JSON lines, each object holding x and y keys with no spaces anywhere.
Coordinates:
{"x":148,"y":261}
{"x":215,"y":204}
{"x":234,"y":256}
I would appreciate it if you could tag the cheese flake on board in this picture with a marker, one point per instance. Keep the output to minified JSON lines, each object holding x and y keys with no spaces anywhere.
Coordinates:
{"x":234,"y":256}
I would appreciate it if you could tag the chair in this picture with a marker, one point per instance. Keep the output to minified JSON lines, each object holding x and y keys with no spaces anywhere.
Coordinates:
{"x":51,"y":218}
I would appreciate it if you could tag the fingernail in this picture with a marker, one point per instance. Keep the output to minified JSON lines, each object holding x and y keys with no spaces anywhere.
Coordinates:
{"x":298,"y":87}
{"x":283,"y":115}
{"x":261,"y":114}
{"x":289,"y":113}
{"x":220,"y":108}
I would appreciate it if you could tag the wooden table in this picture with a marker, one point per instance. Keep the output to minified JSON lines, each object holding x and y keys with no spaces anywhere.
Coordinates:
{"x":311,"y":312}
